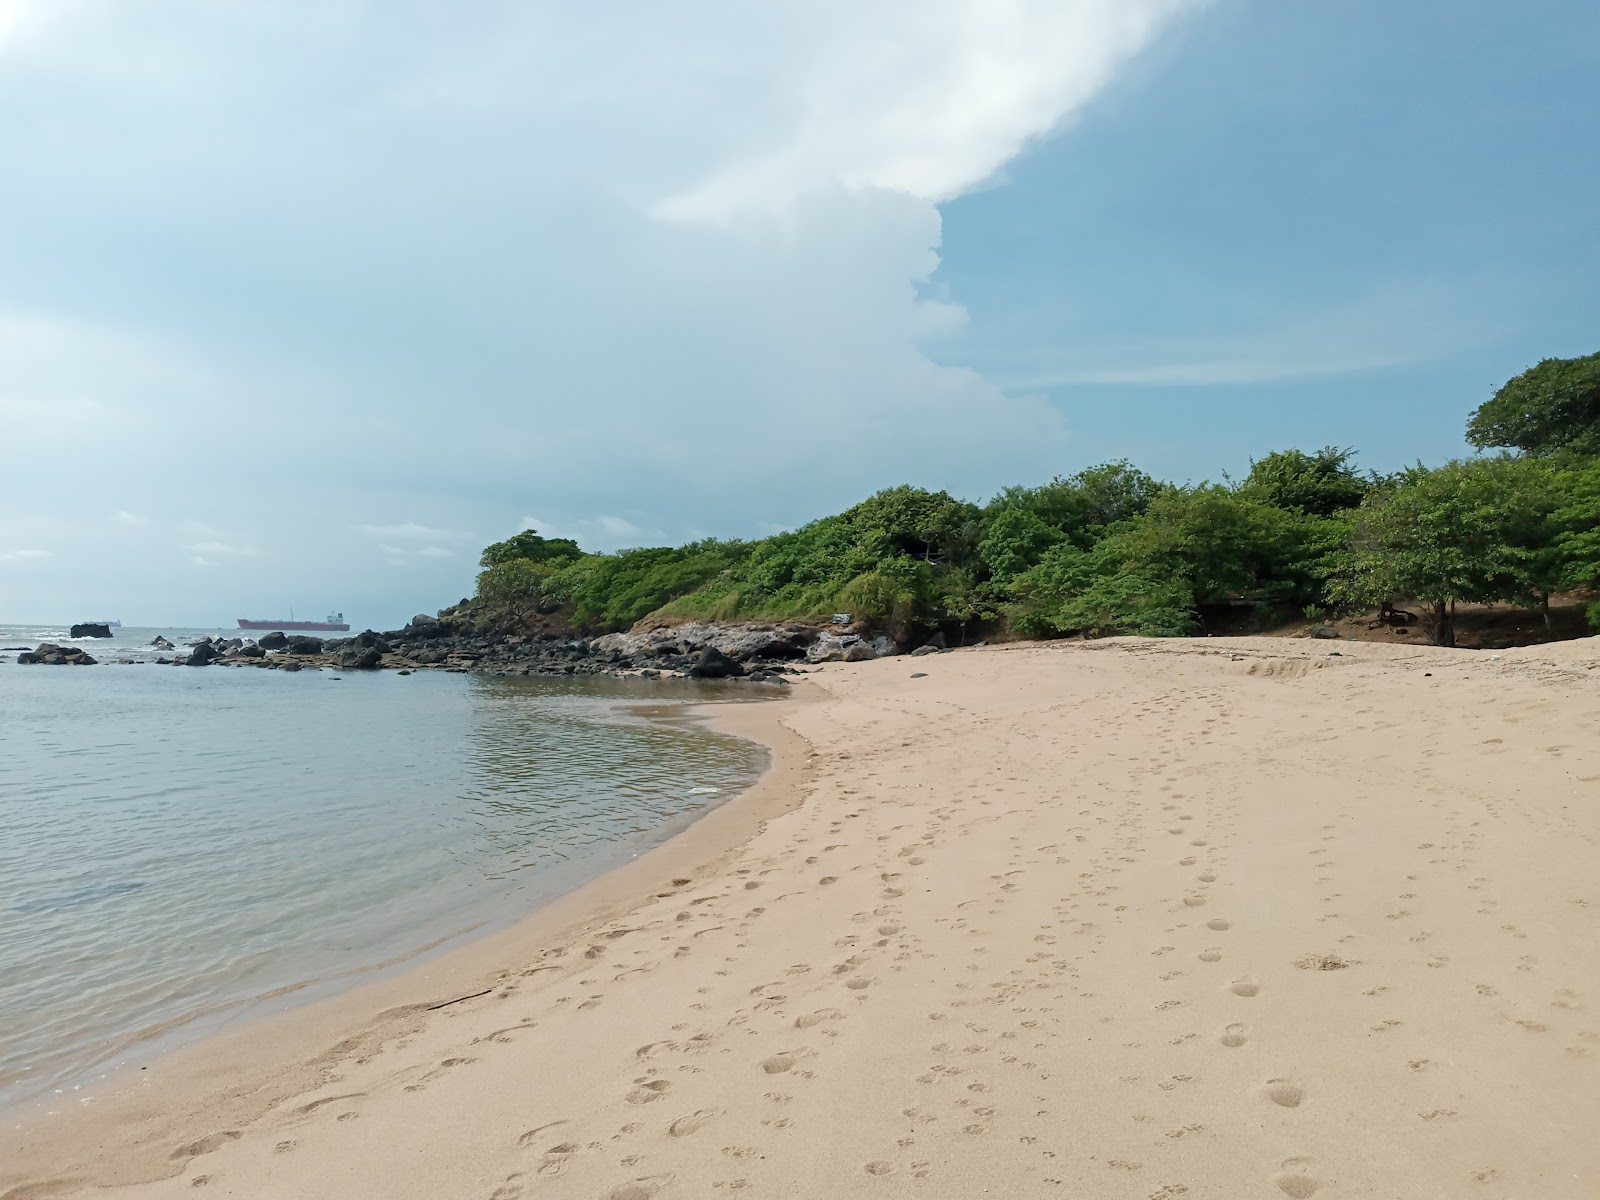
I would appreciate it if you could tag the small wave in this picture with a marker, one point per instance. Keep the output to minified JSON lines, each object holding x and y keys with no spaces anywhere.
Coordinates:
{"x":83,"y":895}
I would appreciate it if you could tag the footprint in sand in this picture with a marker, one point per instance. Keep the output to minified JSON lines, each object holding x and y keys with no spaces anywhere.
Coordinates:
{"x":1207,"y":877}
{"x":1244,"y":986}
{"x":640,"y":1189}
{"x":684,"y":1126}
{"x":1211,"y":954}
{"x":1297,"y":1182}
{"x":1195,"y":901}
{"x":1283,"y":1093}
{"x":555,"y":1158}
{"x":649,"y":1091}
{"x":878,"y":1168}
{"x":1234,"y":1036}
{"x":1188,"y":862}
{"x":807,"y":1020}
{"x":206,"y":1144}
{"x":1218,"y":924}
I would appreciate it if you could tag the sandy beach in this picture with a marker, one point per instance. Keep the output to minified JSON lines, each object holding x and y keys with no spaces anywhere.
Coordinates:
{"x":1144,"y":919}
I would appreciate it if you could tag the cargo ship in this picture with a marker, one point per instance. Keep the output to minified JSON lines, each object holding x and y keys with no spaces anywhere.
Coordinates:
{"x":334,"y":623}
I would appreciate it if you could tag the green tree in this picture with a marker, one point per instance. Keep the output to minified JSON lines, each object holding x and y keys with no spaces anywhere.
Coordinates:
{"x":932,"y":526}
{"x":519,"y":588}
{"x":1553,"y":406}
{"x":1098,"y":591}
{"x":1223,"y":545}
{"x":1473,"y":530}
{"x":1015,"y":539}
{"x":1321,"y":484}
{"x":530,"y":546}
{"x":1085,"y":505}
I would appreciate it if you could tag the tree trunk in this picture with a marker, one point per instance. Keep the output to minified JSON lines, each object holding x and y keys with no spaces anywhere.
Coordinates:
{"x":1443,"y":623}
{"x":1544,"y":609}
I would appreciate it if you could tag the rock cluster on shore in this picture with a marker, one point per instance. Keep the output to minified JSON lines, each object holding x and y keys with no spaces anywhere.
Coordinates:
{"x":760,"y":653}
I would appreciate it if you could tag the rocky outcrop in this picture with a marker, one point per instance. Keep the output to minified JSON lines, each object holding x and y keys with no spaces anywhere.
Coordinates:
{"x":714,"y":664}
{"x":161,"y":643}
{"x":92,"y":629}
{"x":51,"y":655}
{"x":740,"y":643}
{"x":755,"y":653}
{"x":203,"y":654}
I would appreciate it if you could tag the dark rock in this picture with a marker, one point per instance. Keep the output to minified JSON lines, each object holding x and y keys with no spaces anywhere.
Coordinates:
{"x":860,"y":652}
{"x":301,"y":644}
{"x":272,"y":641}
{"x":291,"y":665}
{"x":938,"y":640}
{"x":884,"y":646}
{"x":1323,"y":631}
{"x":366,"y":639}
{"x":27,"y":657}
{"x":202,"y":654}
{"x":161,"y":643}
{"x":406,"y":672}
{"x":361,"y":658}
{"x":923,"y":651}
{"x":251,"y":652}
{"x":919,"y":674}
{"x":91,"y":630}
{"x":714,"y":664}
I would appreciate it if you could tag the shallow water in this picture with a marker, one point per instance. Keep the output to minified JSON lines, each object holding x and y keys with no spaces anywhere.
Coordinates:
{"x":176,"y":842}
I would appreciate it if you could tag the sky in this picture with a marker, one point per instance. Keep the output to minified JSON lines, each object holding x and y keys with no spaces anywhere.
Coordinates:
{"x":300,"y":306}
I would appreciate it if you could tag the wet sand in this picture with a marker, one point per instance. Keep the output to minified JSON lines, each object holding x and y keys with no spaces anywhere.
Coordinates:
{"x":1219,"y":918}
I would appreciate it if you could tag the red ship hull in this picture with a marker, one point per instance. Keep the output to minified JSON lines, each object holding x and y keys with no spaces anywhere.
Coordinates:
{"x":334,"y":626}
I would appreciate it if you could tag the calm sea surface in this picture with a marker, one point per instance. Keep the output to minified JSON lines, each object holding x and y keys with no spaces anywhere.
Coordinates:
{"x":177,"y":842}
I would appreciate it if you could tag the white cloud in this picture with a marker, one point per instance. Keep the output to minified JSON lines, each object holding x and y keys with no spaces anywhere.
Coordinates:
{"x":688,"y":301}
{"x":918,"y":97}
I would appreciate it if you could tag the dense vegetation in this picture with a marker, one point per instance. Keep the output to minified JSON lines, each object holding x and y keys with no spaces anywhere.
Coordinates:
{"x":1111,"y":550}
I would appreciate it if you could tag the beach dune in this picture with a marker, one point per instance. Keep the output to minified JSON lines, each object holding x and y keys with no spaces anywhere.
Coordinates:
{"x":1199,"y":918}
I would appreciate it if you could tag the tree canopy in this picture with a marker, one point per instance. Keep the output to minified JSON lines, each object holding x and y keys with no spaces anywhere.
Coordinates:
{"x":1551,"y":407}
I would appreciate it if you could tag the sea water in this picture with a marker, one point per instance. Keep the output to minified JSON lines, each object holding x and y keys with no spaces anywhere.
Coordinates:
{"x":177,"y":843}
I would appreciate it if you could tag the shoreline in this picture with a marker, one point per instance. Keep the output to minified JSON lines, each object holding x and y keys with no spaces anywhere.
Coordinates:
{"x":401,"y":992}
{"x":1127,"y":919}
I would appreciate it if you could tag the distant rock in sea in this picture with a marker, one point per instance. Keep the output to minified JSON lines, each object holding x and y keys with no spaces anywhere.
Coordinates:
{"x":91,"y":630}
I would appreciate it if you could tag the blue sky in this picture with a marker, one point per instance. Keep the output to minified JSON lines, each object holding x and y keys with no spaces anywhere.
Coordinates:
{"x":304,"y":306}
{"x":1297,"y":225}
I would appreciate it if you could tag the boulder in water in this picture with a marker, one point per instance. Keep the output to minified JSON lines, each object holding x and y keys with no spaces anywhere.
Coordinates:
{"x":273,"y":641}
{"x":91,"y":629}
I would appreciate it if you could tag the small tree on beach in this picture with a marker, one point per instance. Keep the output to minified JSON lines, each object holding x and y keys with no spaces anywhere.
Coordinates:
{"x":1473,"y":530}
